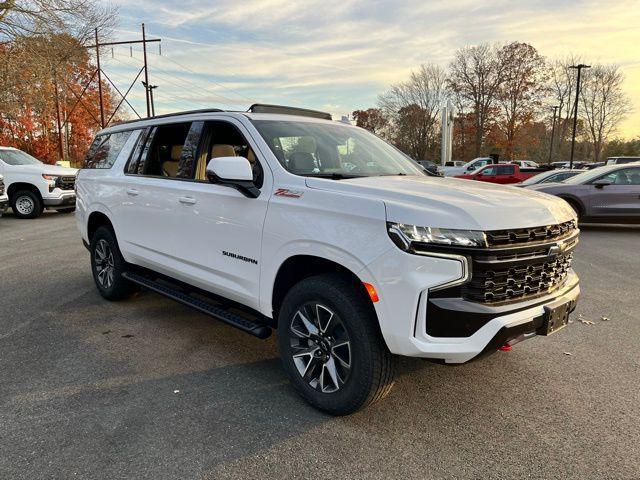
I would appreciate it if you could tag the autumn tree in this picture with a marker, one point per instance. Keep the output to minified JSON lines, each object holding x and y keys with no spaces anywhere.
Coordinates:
{"x":603,"y":104}
{"x":520,"y":94}
{"x":371,"y":119}
{"x":413,"y":108}
{"x":475,"y":76}
{"x":77,"y":18}
{"x":41,"y":78}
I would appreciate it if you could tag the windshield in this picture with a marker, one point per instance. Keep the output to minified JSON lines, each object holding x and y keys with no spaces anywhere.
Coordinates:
{"x":333,"y":151}
{"x":18,"y":157}
{"x":538,"y":178}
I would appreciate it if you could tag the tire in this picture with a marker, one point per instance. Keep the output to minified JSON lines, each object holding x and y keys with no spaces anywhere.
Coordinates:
{"x":108,"y":265}
{"x":67,"y":210}
{"x":26,"y":204}
{"x":347,"y":315}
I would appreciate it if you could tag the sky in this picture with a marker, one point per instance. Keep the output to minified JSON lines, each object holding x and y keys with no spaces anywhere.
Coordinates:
{"x":339,"y":55}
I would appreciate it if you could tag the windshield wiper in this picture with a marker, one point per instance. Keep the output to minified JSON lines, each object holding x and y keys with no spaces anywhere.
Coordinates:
{"x":332,"y":176}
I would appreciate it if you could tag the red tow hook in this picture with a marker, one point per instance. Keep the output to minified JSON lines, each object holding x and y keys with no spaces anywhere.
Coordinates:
{"x":505,"y":348}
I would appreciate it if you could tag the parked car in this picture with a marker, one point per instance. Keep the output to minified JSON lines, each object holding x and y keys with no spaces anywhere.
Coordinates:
{"x":4,"y":198}
{"x":525,"y":163}
{"x":279,"y":218}
{"x":501,"y":173}
{"x":591,"y":166}
{"x":33,"y":186}
{"x":430,"y":166}
{"x":549,"y":176}
{"x":468,"y":167}
{"x":609,"y":194}
{"x":454,"y":163}
{"x":621,"y":160}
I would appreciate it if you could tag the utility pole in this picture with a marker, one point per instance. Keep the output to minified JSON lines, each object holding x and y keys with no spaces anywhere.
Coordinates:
{"x":99,"y":71}
{"x":149,"y":89}
{"x":553,"y":130}
{"x":99,"y":80}
{"x":146,"y":70}
{"x":578,"y":67}
{"x":55,"y":86}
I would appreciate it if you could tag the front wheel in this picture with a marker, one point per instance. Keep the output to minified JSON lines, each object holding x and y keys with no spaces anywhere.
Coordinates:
{"x":331,"y":347}
{"x":26,"y":204}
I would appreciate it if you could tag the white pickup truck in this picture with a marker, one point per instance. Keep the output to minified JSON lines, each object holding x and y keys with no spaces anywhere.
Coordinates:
{"x":469,"y":167}
{"x":279,"y":218}
{"x":33,"y":186}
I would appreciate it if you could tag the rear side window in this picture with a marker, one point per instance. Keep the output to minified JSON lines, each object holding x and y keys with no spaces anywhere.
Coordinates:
{"x":105,"y":149}
{"x":506,"y":170}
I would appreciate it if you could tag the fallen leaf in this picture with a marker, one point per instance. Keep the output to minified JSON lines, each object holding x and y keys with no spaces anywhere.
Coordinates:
{"x":568,"y":353}
{"x":604,"y":319}
{"x":176,"y":391}
{"x":128,"y":335}
{"x":587,"y":322}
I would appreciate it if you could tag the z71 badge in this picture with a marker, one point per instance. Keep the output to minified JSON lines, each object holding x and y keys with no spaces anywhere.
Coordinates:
{"x":285,"y":192}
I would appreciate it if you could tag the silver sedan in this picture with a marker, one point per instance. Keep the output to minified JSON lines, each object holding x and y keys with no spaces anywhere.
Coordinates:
{"x":608,"y":194}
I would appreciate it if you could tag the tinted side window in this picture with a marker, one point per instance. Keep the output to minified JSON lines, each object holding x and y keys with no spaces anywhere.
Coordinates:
{"x":223,"y":139}
{"x":134,"y":160}
{"x":105,"y":149}
{"x":489,"y":171}
{"x":506,"y":170}
{"x":164,"y":152}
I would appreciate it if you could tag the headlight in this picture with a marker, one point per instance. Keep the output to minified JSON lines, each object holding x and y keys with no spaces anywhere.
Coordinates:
{"x":404,"y":235}
{"x":51,"y":178}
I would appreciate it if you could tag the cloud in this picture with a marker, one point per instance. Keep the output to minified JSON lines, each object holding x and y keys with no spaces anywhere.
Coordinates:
{"x":343,"y":53}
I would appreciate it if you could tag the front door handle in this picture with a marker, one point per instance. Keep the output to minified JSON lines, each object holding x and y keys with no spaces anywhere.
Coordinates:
{"x":132,"y":191}
{"x":187,"y":200}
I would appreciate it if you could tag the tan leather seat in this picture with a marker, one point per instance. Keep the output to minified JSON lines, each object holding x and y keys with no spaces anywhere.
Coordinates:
{"x":170,"y":167}
{"x":222,"y":150}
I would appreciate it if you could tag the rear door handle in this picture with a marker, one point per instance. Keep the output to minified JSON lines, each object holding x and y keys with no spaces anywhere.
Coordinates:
{"x":132,"y":191}
{"x":187,"y":200}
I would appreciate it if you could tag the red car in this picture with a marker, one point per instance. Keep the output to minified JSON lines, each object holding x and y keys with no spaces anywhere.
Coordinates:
{"x":501,"y":173}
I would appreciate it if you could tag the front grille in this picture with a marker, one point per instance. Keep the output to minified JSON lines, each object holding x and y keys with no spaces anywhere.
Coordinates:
{"x":66,"y":183}
{"x":1,"y":186}
{"x":519,"y":236}
{"x":516,"y":271}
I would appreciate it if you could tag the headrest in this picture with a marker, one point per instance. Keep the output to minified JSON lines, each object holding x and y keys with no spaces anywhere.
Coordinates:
{"x":222,"y":150}
{"x":176,"y":152}
{"x":306,"y":145}
{"x":251,"y":157}
{"x":301,"y":162}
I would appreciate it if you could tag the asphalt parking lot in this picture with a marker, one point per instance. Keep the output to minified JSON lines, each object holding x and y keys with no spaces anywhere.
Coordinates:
{"x":148,"y":388}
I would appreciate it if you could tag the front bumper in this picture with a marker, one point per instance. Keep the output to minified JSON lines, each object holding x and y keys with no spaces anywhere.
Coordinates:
{"x":63,"y":200}
{"x":4,"y":203}
{"x":406,"y":283}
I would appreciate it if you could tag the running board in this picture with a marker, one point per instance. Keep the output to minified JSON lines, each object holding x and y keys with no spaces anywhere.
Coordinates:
{"x":253,"y":328}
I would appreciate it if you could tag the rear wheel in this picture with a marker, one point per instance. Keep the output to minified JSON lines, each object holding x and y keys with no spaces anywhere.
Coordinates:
{"x":108,"y":265}
{"x":26,"y":204}
{"x":331,"y":346}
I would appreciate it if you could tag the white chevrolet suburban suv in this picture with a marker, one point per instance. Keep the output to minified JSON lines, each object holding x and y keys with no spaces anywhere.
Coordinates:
{"x":33,"y":186}
{"x":279,"y":218}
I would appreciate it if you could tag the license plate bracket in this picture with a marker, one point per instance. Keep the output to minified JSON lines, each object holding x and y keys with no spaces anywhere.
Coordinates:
{"x":556,"y":317}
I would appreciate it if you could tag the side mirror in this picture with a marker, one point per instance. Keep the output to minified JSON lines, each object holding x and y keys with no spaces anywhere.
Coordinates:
{"x":470,"y":168}
{"x":603,"y":182}
{"x":235,"y":172}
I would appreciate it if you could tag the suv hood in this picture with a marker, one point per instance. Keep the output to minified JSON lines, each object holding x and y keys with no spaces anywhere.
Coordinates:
{"x":453,"y":203}
{"x":45,"y":168}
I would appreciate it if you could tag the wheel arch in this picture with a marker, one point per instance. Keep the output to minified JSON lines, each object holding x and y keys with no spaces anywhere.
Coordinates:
{"x":575,"y":202}
{"x":298,"y":267}
{"x":18,"y":186}
{"x":96,"y":220}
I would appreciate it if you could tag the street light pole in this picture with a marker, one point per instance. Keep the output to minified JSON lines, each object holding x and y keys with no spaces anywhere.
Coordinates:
{"x":553,"y":131}
{"x":578,"y":67}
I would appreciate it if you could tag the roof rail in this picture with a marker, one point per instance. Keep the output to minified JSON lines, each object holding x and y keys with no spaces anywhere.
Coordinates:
{"x":175,"y":114}
{"x":284,"y":110}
